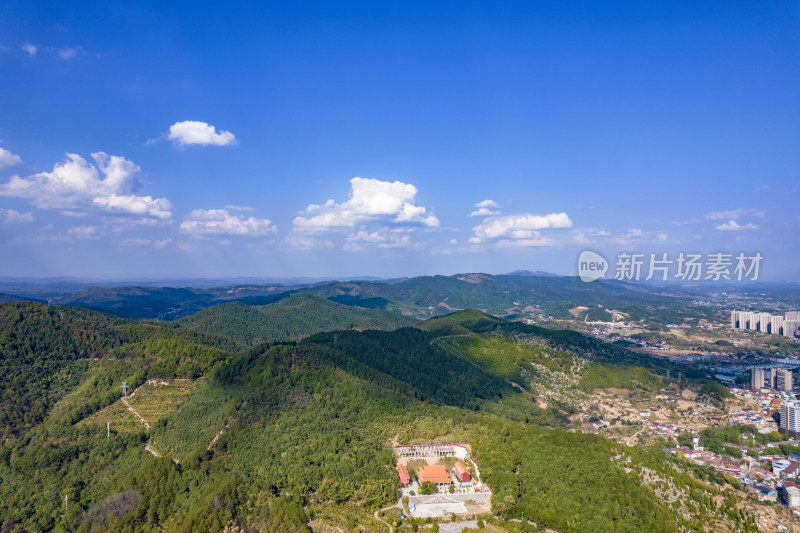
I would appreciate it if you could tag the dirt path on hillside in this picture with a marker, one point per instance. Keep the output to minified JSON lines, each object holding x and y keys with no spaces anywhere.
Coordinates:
{"x":219,"y":434}
{"x":132,"y":410}
{"x":634,"y":436}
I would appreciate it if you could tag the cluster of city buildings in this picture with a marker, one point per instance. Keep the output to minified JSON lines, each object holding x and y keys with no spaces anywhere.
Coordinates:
{"x":779,"y":379}
{"x":785,"y":325}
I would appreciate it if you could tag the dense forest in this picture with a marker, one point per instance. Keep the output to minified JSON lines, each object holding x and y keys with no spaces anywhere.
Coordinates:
{"x":421,"y":297}
{"x":289,"y":319}
{"x":273,"y":436}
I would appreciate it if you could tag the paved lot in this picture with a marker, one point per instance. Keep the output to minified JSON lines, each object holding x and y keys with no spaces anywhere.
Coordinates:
{"x":438,"y":505}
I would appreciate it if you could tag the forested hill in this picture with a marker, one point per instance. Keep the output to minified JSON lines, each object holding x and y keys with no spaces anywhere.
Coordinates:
{"x":289,"y":319}
{"x":46,"y":351}
{"x":268,"y":438}
{"x":422,"y":297}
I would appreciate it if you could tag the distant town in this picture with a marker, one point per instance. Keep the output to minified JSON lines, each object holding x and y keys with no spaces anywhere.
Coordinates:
{"x":786,"y":325}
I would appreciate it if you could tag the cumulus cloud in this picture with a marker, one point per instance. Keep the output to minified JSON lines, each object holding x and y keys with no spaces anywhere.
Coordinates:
{"x":524,"y":229}
{"x":10,"y":216}
{"x":221,"y":222}
{"x":30,"y":49}
{"x":7,"y":159}
{"x":484,"y":209}
{"x":385,"y":211}
{"x":732,"y":225}
{"x":78,"y":187}
{"x":196,"y":132}
{"x":735,"y":214}
{"x":370,"y":200}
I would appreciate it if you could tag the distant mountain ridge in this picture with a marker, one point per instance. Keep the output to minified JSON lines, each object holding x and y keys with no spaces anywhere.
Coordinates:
{"x":538,"y":273}
{"x":289,"y":319}
{"x":513,"y":296}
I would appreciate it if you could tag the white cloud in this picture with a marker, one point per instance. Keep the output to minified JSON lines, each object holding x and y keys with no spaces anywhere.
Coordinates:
{"x":10,"y":216}
{"x":484,"y":209}
{"x":221,"y":222}
{"x":195,"y":132}
{"x":588,"y":236}
{"x":146,"y":206}
{"x":385,"y":212}
{"x":483,"y":212}
{"x":370,"y":200}
{"x":145,"y":242}
{"x":7,"y":159}
{"x":734,"y":214}
{"x":68,"y":52}
{"x":238,"y":208}
{"x":307,"y":242}
{"x":732,"y":225}
{"x":537,"y":240}
{"x":78,"y":187}
{"x":135,"y":242}
{"x":386,"y":238}
{"x":30,"y":49}
{"x":84,"y":232}
{"x":519,"y":227}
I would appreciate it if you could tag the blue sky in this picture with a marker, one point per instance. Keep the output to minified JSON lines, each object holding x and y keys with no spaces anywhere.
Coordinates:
{"x":393,"y":139}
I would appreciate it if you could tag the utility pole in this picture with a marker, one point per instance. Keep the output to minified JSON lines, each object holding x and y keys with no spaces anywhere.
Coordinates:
{"x":108,"y":429}
{"x":124,"y":389}
{"x":66,"y":499}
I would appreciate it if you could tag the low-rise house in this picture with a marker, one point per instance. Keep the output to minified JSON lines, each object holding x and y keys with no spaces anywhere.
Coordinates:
{"x":461,"y":472}
{"x":402,"y":471}
{"x":792,"y":470}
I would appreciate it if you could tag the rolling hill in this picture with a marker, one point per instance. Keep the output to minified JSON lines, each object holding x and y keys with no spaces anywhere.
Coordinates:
{"x":512,"y":295}
{"x":269,"y":437}
{"x":289,"y":319}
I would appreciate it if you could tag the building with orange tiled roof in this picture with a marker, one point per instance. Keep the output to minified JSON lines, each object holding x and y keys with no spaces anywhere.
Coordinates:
{"x":402,"y":471}
{"x":436,"y":474}
{"x":461,"y":472}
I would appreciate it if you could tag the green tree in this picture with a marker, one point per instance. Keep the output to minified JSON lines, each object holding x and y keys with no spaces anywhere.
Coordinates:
{"x":427,"y":488}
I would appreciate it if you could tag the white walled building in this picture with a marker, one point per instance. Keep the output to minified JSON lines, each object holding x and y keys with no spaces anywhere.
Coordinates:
{"x":790,"y":418}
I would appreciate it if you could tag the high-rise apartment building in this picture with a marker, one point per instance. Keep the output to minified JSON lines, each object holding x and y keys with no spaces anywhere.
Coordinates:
{"x":756,"y":378}
{"x":790,"y":418}
{"x":784,"y":380}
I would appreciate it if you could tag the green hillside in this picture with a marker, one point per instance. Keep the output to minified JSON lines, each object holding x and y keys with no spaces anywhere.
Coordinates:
{"x":268,"y":438}
{"x":422,"y":297}
{"x":289,"y":319}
